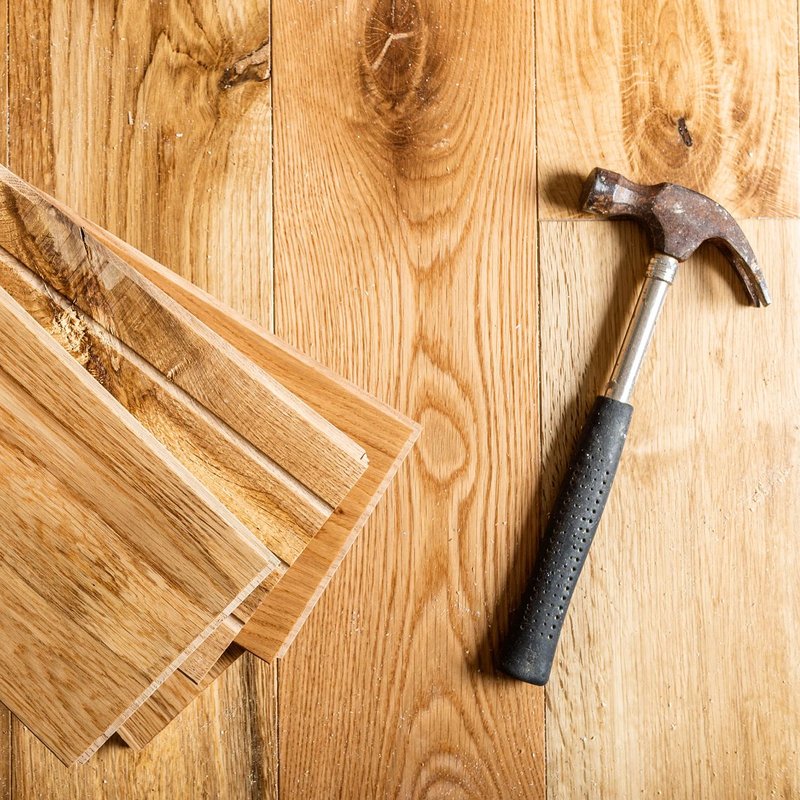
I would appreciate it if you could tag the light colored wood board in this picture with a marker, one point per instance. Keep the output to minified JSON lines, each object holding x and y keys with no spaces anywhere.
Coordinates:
{"x":228,"y":743}
{"x":5,"y":753}
{"x":386,"y":435}
{"x":677,"y":669}
{"x":4,"y":109}
{"x":172,"y":197}
{"x":411,"y":269}
{"x":615,"y":79}
{"x":282,"y":513}
{"x":5,"y":714}
{"x":177,"y":693}
{"x":251,"y":402}
{"x":117,"y":561}
{"x":150,"y":104}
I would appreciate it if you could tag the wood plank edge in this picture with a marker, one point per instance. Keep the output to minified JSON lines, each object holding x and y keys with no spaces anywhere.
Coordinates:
{"x":133,"y":738}
{"x":256,"y":645}
{"x":173,"y":667}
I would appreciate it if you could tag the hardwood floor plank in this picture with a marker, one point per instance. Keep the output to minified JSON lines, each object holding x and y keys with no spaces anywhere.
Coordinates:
{"x":677,"y":667}
{"x":5,"y":714}
{"x":140,"y":75}
{"x":92,"y":627}
{"x":699,"y":93}
{"x":411,"y":269}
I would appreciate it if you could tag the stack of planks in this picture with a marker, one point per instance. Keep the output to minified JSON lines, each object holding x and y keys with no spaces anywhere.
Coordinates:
{"x":176,"y":484}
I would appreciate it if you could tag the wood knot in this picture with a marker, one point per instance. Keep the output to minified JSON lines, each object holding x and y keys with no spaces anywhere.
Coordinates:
{"x":255,"y":66}
{"x":398,"y":69}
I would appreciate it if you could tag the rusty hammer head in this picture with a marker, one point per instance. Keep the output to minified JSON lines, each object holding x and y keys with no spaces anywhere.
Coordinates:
{"x":679,"y":220}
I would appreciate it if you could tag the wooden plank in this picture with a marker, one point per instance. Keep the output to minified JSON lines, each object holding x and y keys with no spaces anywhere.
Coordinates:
{"x":282,"y":513}
{"x":703,"y":94}
{"x":95,"y":617}
{"x":230,"y":737}
{"x":189,"y":354}
{"x":411,"y":269}
{"x":208,"y":654}
{"x":172,"y":138}
{"x":678,"y":664}
{"x":384,"y":434}
{"x":163,"y":63}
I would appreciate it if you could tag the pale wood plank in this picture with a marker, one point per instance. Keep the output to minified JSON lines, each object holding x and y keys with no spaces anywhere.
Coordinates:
{"x":92,"y":627}
{"x":677,"y":669}
{"x":169,"y":195}
{"x":5,"y":714}
{"x":409,"y":266}
{"x":230,"y":739}
{"x":615,"y":80}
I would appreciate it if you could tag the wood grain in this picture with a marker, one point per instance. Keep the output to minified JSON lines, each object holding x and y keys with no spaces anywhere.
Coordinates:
{"x":176,"y":694}
{"x":701,"y":93}
{"x":72,"y":135}
{"x":5,"y":714}
{"x":93,"y":627}
{"x":678,"y":661}
{"x":189,"y":354}
{"x":411,"y":269}
{"x":280,"y":511}
{"x":228,"y":740}
{"x":385,"y":435}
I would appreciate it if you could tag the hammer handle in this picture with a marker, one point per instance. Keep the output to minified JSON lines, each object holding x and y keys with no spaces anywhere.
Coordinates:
{"x":531,"y":645}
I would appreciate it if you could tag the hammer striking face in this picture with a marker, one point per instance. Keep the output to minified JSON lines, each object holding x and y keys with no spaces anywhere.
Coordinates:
{"x":679,"y":220}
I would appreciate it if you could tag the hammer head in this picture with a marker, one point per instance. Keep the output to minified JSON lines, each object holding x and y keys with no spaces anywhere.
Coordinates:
{"x":679,"y":220}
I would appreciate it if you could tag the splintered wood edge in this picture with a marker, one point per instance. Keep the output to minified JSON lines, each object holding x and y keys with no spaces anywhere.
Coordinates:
{"x":189,"y":294}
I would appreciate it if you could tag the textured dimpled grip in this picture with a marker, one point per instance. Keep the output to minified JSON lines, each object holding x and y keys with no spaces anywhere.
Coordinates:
{"x":531,"y":644}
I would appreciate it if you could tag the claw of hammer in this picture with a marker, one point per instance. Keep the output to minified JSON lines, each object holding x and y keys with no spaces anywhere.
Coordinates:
{"x":678,"y":220}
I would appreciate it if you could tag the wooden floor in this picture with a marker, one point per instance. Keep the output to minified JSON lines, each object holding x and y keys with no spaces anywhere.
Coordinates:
{"x":391,"y":185}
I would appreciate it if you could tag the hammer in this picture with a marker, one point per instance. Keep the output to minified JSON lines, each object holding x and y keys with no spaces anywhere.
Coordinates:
{"x":678,"y":220}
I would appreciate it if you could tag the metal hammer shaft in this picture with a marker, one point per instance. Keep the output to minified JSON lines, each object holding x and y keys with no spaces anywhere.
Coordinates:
{"x":660,"y":274}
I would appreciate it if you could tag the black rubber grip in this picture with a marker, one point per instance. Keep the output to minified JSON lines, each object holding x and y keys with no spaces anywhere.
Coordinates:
{"x":533,"y":637}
